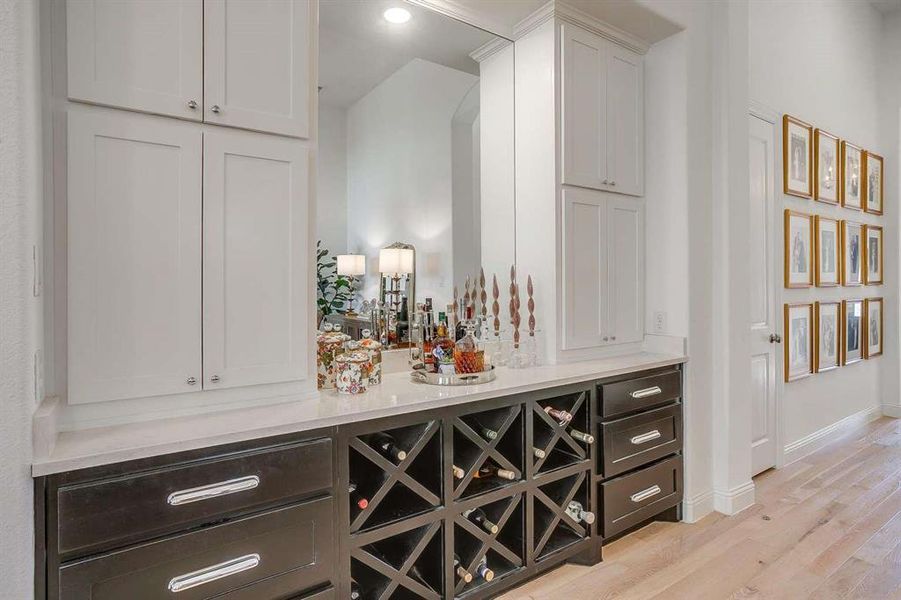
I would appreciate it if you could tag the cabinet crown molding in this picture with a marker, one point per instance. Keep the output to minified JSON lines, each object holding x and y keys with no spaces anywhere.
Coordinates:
{"x":562,"y":11}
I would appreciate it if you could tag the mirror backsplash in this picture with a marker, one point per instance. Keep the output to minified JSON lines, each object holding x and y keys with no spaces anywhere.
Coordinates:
{"x":416,"y":163}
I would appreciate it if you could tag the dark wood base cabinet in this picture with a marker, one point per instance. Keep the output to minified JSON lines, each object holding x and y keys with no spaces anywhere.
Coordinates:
{"x":460,"y":502}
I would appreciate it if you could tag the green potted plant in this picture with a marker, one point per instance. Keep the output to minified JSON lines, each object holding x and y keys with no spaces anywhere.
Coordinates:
{"x":333,"y":291}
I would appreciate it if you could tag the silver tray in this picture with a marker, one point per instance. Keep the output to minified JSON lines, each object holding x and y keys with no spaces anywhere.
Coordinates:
{"x":455,"y":379}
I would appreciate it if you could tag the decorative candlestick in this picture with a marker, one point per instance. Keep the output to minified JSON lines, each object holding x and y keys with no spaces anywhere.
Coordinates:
{"x":483,"y":294}
{"x":456,"y":306}
{"x":531,"y":304}
{"x":466,"y":297}
{"x":496,"y":307}
{"x":516,"y":315}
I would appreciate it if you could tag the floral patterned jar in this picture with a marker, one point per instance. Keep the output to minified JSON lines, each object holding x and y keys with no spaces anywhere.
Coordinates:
{"x":352,"y":369}
{"x":374,"y":349}
{"x":329,"y":345}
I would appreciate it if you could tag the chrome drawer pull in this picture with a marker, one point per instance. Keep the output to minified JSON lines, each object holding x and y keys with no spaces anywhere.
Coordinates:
{"x":214,"y":490}
{"x":645,"y":437}
{"x":645,"y":494}
{"x":214,"y":572}
{"x":651,"y":391}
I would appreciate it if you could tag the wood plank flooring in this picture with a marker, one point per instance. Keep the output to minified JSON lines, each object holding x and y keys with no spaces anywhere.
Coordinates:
{"x":825,"y":527}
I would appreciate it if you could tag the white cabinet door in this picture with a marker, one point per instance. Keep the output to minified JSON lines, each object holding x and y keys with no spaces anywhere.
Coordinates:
{"x":257,"y":64}
{"x":625,"y":255}
{"x":584,"y":116}
{"x":144,"y":55}
{"x":134,"y":269}
{"x":625,"y":118}
{"x":256,"y":267}
{"x":585,"y":264}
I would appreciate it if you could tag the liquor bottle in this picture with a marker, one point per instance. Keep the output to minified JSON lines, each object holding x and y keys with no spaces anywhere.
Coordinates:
{"x":460,"y":327}
{"x":403,"y":322}
{"x":458,"y":472}
{"x":468,"y":357}
{"x":461,"y":572}
{"x":443,"y":350}
{"x":478,"y":516}
{"x":384,"y":443}
{"x":581,"y":436}
{"x":488,"y":433}
{"x":483,"y":571}
{"x":428,"y":338}
{"x":355,"y":592}
{"x":494,"y":471}
{"x":539,"y":453}
{"x":575,"y":510}
{"x":356,"y":497}
{"x":561,"y":415}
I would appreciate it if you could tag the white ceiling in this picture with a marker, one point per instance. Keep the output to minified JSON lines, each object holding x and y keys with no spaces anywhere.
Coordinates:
{"x":886,"y":6}
{"x":358,"y":48}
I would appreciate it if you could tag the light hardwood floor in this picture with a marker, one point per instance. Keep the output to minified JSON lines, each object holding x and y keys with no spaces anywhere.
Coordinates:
{"x":828,"y":526}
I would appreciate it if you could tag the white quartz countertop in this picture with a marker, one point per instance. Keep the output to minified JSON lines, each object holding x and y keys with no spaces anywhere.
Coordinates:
{"x":397,"y":394}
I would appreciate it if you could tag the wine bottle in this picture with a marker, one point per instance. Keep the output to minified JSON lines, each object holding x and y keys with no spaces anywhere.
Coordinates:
{"x":458,"y":472}
{"x":357,"y":498}
{"x":582,"y":436}
{"x":483,"y":571}
{"x":493,"y":471}
{"x":355,"y":592}
{"x":384,"y":443}
{"x":539,"y":453}
{"x":561,"y":415}
{"x":460,"y":570}
{"x":478,"y":516}
{"x":575,"y":510}
{"x":488,"y":433}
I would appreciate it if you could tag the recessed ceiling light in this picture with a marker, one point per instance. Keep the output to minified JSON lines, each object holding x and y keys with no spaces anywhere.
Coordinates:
{"x":396,"y":15}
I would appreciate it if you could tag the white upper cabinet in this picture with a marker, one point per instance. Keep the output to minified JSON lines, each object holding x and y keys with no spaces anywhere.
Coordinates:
{"x":602,"y":117}
{"x":134,"y":262}
{"x":256,"y":273}
{"x":257,"y":64}
{"x":603,"y":270}
{"x":144,"y":55}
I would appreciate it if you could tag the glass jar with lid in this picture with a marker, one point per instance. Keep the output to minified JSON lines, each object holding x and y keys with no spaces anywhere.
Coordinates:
{"x":352,"y":370}
{"x":329,"y":345}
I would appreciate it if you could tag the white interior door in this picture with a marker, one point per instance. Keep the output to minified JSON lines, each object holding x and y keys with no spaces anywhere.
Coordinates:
{"x":256,"y":274}
{"x":764,"y":314}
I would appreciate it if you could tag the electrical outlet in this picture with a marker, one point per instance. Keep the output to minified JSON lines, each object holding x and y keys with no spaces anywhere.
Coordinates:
{"x":660,"y":322}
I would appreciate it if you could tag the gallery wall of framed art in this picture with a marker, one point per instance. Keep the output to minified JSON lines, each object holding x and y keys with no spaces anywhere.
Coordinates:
{"x":833,"y":256}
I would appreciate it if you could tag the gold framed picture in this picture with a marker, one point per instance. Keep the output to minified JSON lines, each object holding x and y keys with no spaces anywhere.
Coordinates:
{"x":828,"y":349}
{"x":797,"y":157}
{"x":873,"y":253}
{"x":874,"y":330}
{"x":873,"y":183}
{"x":827,"y":168}
{"x":798,"y":249}
{"x":827,"y":244}
{"x":852,"y":331}
{"x":852,"y":247}
{"x":798,"y":341}
{"x":852,"y":186}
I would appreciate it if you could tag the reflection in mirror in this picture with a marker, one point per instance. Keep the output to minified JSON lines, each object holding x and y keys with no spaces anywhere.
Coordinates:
{"x":415,"y":183}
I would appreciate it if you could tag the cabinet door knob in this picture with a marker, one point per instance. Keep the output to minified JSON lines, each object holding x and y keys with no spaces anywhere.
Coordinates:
{"x":612,"y":337}
{"x":191,"y":381}
{"x":606,"y":338}
{"x":214,"y":379}
{"x":192,"y":104}
{"x":613,"y":183}
{"x":605,"y":182}
{"x":215,"y":108}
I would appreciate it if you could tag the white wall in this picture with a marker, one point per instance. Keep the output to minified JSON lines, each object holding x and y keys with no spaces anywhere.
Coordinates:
{"x":800,"y":64}
{"x":20,"y":311}
{"x":331,"y":182}
{"x":399,"y":172}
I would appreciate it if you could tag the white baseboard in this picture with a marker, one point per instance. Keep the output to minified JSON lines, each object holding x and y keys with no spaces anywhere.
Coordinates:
{"x":891,"y":410}
{"x":732,"y":502}
{"x":695,"y":509}
{"x":816,"y":440}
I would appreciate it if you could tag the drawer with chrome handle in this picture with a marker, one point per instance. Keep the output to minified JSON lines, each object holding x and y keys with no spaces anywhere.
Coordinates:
{"x":641,"y":392}
{"x":283,"y":551}
{"x":636,"y":440}
{"x":110,"y":513}
{"x":631,"y":499}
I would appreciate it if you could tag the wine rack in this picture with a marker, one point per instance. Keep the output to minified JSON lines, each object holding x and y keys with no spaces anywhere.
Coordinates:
{"x":554,"y":446}
{"x":395,"y":489}
{"x":502,"y":548}
{"x":554,"y":528}
{"x":405,"y":565}
{"x":487,"y":438}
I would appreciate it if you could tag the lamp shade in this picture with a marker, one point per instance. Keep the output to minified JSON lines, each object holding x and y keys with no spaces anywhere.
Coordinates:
{"x":396,"y":260}
{"x":351,"y":264}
